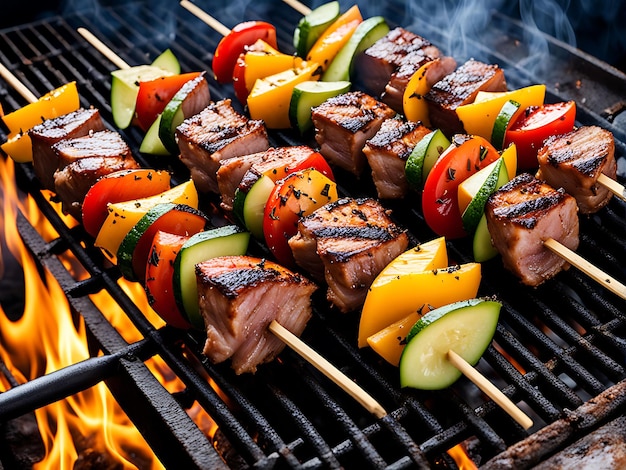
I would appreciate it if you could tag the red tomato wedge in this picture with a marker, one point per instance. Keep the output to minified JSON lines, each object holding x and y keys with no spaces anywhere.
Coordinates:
{"x":154,"y":95}
{"x":120,"y":186}
{"x":535,"y":125}
{"x":440,"y":206}
{"x":316,"y":161}
{"x":233,"y":44}
{"x":297,"y":195}
{"x":159,"y":278}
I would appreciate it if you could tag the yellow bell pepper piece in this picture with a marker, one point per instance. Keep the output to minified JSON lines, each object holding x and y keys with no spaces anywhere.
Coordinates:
{"x":270,"y":97}
{"x":390,"y":297}
{"x":413,"y":103}
{"x":19,"y":147}
{"x":432,"y":289}
{"x":124,"y":215}
{"x":478,"y":118}
{"x":335,"y":37}
{"x":263,"y":60}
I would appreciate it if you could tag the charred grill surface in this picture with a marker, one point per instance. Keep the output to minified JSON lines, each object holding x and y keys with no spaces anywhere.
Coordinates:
{"x":560,"y":346}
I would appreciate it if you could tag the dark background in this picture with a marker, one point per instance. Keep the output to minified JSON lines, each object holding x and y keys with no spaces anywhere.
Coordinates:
{"x":599,"y":25}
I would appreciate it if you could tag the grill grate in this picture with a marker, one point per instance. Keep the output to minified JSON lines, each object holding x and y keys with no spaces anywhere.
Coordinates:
{"x":568,"y":336}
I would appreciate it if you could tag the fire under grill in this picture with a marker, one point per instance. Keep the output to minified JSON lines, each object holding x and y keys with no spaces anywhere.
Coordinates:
{"x":568,"y":336}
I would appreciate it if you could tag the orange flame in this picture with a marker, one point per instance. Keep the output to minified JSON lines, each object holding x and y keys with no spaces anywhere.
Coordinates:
{"x":47,"y":337}
{"x":462,"y":460}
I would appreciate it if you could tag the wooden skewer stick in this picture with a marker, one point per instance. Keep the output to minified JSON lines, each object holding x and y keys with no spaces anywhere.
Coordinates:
{"x":296,"y":5}
{"x":585,"y":266}
{"x":296,"y":343}
{"x":103,"y":48}
{"x":490,"y":389}
{"x":208,"y":19}
{"x":613,"y":186}
{"x":17,"y":85}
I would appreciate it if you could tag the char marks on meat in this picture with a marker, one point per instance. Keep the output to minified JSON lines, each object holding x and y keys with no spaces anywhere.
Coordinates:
{"x":343,"y":125}
{"x":524,"y":213}
{"x":347,"y":243}
{"x":216,"y":133}
{"x":387,"y":153}
{"x":239,"y":296}
{"x":84,"y":160}
{"x":460,"y":88}
{"x":245,"y":170}
{"x":75,"y":124}
{"x":574,"y":161}
{"x":197,"y":95}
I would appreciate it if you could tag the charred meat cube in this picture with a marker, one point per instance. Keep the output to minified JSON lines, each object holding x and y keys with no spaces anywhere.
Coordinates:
{"x":239,"y":296}
{"x":216,"y":133}
{"x":394,"y":90}
{"x":84,"y":160}
{"x":75,"y":124}
{"x":459,"y":88}
{"x":344,"y":123}
{"x":233,"y":172}
{"x":347,"y":243}
{"x":574,"y":161}
{"x":374,"y":67}
{"x":524,"y":213}
{"x":387,"y":153}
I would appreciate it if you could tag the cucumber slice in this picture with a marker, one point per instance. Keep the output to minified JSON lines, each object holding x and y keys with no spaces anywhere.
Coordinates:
{"x":254,"y":205}
{"x":503,"y":119}
{"x":167,"y":61}
{"x":423,"y":157}
{"x":466,"y":327}
{"x":151,"y":143}
{"x":124,"y":89}
{"x":311,"y":26}
{"x":223,"y":241}
{"x":482,"y":247}
{"x":496,"y":177}
{"x":130,"y":241}
{"x":366,"y":34}
{"x":307,"y":95}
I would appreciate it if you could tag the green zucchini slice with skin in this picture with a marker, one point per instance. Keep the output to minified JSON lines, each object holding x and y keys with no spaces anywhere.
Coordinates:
{"x":466,"y":327}
{"x":423,"y":157}
{"x":502,"y":122}
{"x":311,"y":26}
{"x":482,"y":247}
{"x":222,"y":241}
{"x":309,"y":94}
{"x":252,"y":205}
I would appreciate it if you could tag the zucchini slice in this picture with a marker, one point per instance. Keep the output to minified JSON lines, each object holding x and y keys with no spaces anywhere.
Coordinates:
{"x":423,"y":157}
{"x":311,"y":26}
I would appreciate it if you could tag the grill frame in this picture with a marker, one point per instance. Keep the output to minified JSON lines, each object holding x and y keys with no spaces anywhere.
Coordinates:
{"x":418,"y":426}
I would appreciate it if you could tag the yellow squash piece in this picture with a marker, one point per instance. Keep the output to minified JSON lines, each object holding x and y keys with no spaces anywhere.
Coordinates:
{"x":390,"y":297}
{"x":335,"y":37}
{"x":270,"y":97}
{"x":124,"y":215}
{"x":479,"y":117}
{"x":266,"y":62}
{"x":55,"y":103}
{"x":432,"y":289}
{"x":413,"y":103}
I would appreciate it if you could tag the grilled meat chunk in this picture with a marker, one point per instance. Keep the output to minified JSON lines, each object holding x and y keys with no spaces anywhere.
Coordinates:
{"x":75,"y":124}
{"x":233,"y":172}
{"x":347,"y":243}
{"x":84,"y":160}
{"x":239,"y":297}
{"x":387,"y":153}
{"x":374,"y":67}
{"x":216,"y":133}
{"x":459,"y":88}
{"x":394,"y":90}
{"x":574,"y":161}
{"x":344,"y":123}
{"x":524,"y":213}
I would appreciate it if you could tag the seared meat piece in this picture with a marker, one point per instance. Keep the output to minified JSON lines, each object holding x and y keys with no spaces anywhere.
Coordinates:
{"x":83,"y":160}
{"x":239,"y":297}
{"x":375,"y":66}
{"x":387,"y":152}
{"x":344,"y":123}
{"x":75,"y":124}
{"x":347,"y":243}
{"x":248,"y":168}
{"x":216,"y":133}
{"x":394,"y":90}
{"x":459,"y":88}
{"x":574,"y":161}
{"x":524,"y":213}
{"x":198,"y":95}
